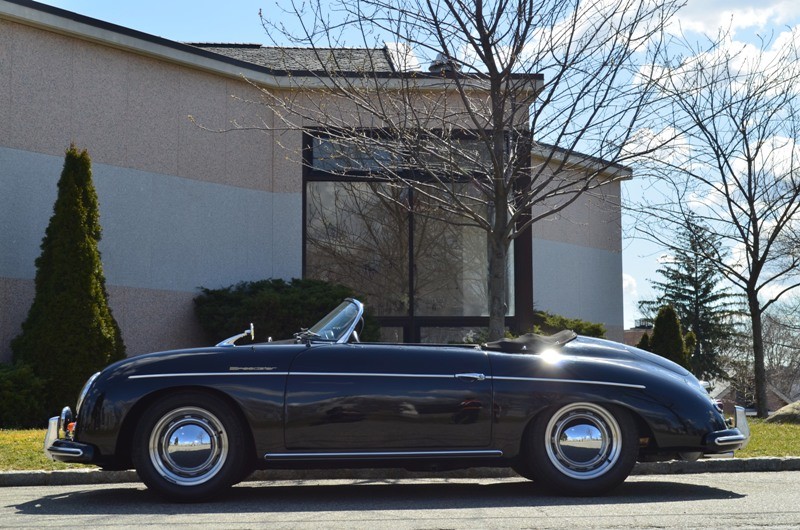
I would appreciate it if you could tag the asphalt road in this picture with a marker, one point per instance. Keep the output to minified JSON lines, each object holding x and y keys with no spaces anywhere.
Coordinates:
{"x":707,"y":501}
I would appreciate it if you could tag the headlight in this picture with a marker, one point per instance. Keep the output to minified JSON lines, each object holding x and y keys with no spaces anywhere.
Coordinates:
{"x":84,"y":391}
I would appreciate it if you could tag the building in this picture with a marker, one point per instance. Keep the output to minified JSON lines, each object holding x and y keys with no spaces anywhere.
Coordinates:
{"x":641,"y":327}
{"x":182,"y":206}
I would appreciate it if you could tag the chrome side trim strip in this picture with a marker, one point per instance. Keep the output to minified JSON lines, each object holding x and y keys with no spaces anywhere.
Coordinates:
{"x":384,"y":454}
{"x":580,"y":381}
{"x":374,"y":374}
{"x":203,"y":374}
{"x":330,"y":374}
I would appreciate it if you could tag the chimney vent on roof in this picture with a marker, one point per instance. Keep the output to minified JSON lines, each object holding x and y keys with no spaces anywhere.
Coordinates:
{"x":444,"y":64}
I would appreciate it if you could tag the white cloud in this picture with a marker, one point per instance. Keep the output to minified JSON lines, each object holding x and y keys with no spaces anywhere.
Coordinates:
{"x":629,"y":286}
{"x":707,"y":16}
{"x":770,"y":291}
{"x":710,"y":197}
{"x":403,"y":56}
{"x":778,"y":156}
{"x":666,"y":145}
{"x":665,"y":259}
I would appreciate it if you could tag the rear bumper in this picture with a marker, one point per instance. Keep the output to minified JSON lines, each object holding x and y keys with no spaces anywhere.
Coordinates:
{"x":59,"y":447}
{"x":729,"y":440}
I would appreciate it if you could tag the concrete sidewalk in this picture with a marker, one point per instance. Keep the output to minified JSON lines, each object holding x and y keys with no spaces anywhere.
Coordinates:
{"x":94,"y":476}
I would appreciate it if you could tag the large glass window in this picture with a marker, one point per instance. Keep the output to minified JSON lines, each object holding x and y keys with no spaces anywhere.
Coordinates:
{"x":417,"y":266}
{"x":342,"y":156}
{"x":450,"y":262}
{"x":357,"y":237}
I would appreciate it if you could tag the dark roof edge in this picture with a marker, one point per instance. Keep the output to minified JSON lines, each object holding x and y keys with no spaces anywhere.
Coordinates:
{"x":582,"y":158}
{"x":140,"y":35}
{"x":199,"y":52}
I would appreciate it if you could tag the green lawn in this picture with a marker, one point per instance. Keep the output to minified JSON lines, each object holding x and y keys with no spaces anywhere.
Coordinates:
{"x":771,"y":439}
{"x":22,"y":450}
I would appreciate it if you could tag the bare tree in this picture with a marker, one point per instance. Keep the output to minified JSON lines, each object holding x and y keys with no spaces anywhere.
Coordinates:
{"x":782,"y":349}
{"x":733,"y":114}
{"x":781,"y":330}
{"x":515,"y":90}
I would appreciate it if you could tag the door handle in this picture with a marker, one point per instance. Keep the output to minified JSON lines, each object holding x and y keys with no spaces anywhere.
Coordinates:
{"x":470,"y":377}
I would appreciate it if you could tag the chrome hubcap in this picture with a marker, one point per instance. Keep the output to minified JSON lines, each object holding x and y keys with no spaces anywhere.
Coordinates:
{"x":188,"y":446}
{"x":583,"y":440}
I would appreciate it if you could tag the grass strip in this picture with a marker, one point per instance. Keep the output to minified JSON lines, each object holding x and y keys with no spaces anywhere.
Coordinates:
{"x":22,"y":450}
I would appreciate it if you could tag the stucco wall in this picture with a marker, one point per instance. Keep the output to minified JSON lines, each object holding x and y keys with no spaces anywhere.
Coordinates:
{"x":181,"y":207}
{"x":577,"y":261}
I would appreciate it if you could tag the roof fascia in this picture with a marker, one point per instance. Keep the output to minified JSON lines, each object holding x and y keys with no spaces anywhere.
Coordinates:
{"x":72,"y":24}
{"x":609,"y":170}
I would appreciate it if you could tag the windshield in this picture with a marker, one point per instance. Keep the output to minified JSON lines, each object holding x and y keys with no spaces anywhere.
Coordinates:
{"x":338,"y":325}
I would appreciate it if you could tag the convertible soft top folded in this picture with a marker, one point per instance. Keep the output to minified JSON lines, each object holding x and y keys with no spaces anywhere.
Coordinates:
{"x":530,"y":342}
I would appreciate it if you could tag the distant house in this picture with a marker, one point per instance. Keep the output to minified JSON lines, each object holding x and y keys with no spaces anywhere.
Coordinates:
{"x":183,"y":207}
{"x":634,"y":335}
{"x":726,"y":393}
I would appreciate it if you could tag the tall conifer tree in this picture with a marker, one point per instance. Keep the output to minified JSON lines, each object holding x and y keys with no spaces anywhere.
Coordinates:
{"x":70,"y":332}
{"x":692,"y":287}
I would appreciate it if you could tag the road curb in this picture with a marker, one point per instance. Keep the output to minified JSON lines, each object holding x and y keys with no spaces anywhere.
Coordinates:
{"x":93,"y":476}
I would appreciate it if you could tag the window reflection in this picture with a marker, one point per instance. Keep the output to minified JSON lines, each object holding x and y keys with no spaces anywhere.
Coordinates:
{"x":357,"y":237}
{"x":396,"y":247}
{"x":357,"y":234}
{"x":450,"y":263}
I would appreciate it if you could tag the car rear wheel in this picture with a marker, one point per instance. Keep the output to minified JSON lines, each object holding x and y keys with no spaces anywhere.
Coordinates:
{"x":582,"y":448}
{"x":189,"y":447}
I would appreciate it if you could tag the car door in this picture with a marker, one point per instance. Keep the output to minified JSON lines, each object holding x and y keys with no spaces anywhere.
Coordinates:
{"x":361,"y":397}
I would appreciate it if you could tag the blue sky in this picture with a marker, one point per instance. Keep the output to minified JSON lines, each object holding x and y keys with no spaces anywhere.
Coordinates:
{"x":238,"y":21}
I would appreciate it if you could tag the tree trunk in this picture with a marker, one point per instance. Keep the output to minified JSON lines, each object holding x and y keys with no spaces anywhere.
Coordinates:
{"x":758,"y":355}
{"x":498,"y":254}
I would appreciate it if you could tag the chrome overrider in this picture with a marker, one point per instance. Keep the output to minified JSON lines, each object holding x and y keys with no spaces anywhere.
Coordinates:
{"x":739,"y":422}
{"x":58,"y":442}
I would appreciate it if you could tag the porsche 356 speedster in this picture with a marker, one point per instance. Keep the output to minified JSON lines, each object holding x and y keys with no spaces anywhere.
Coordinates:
{"x":571,"y":412}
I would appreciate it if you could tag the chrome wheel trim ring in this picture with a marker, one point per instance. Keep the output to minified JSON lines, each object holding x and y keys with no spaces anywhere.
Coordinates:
{"x":583,"y":441}
{"x":188,"y":446}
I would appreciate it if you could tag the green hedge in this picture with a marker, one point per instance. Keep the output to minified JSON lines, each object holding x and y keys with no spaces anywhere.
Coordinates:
{"x":277,"y":308}
{"x":547,"y":323}
{"x":21,"y":398}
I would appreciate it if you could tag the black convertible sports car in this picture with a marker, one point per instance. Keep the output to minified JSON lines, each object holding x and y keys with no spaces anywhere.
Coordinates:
{"x":572,"y":412}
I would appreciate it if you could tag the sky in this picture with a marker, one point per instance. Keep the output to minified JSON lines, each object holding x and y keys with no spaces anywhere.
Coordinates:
{"x":238,"y":21}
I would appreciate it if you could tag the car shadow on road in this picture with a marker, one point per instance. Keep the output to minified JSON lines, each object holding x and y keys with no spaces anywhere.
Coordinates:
{"x":398,"y":495}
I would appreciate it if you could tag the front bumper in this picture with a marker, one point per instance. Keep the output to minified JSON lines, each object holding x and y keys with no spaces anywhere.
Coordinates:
{"x":60,"y":447}
{"x":729,"y":440}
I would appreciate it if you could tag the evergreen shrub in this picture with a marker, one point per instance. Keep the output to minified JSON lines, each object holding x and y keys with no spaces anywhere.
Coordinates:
{"x":667,"y":338}
{"x":21,"y":404}
{"x":644,"y":342}
{"x":69,"y":332}
{"x":548,"y":323}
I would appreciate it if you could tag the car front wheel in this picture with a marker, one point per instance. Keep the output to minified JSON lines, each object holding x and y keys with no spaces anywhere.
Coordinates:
{"x":582,"y":448}
{"x":189,"y":447}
